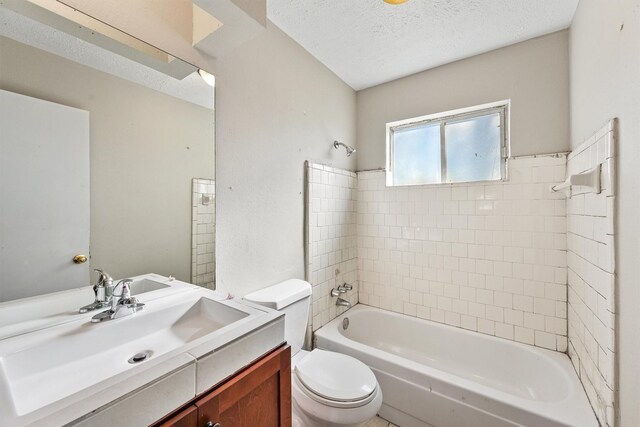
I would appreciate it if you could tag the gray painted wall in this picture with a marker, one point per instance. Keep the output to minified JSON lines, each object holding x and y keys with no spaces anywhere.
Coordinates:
{"x":145,"y":149}
{"x":276,"y":106}
{"x":605,"y":73}
{"x":533,"y":74}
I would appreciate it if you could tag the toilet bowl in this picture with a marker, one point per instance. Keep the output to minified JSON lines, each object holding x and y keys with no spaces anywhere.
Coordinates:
{"x":332,"y":390}
{"x":328,"y":389}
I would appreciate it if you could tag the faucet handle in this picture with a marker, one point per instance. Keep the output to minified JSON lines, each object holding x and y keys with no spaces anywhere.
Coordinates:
{"x":344,"y":287}
{"x":126,"y":290}
{"x":124,"y":295}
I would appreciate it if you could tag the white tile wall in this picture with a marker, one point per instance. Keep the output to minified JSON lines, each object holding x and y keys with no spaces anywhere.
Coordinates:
{"x":330,"y":239}
{"x":489,"y":257}
{"x":591,"y":264}
{"x":203,"y":223}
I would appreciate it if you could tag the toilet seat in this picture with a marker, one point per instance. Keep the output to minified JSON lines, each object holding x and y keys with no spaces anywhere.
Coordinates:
{"x":335,"y":379}
{"x":312,"y":412}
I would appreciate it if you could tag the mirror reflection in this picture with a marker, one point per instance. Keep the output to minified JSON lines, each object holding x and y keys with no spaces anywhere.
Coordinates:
{"x":90,"y":176}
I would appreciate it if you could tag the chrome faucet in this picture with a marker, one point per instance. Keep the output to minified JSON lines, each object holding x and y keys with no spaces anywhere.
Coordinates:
{"x":122,"y":304}
{"x":345,"y":287}
{"x":341,"y":302}
{"x":103,"y":291}
{"x":342,"y":289}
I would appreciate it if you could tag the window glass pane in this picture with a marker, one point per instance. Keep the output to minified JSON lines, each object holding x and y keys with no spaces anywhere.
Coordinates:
{"x":473,"y":149}
{"x":416,"y":155}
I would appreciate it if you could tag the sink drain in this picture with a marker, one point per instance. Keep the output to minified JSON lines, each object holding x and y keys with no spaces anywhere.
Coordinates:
{"x":140,"y":357}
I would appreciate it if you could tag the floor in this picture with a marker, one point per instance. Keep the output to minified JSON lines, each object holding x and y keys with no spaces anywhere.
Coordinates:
{"x":379,"y":422}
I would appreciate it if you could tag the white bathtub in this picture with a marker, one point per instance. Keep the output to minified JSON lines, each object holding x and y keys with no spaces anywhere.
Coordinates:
{"x":442,"y":376}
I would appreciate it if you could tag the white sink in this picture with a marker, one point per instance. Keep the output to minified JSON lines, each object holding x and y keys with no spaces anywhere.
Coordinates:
{"x":145,"y":285}
{"x":67,"y":370}
{"x":30,"y":314}
{"x":100,"y":351}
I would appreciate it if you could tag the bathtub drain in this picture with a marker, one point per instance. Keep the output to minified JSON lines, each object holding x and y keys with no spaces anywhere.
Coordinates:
{"x":345,"y":323}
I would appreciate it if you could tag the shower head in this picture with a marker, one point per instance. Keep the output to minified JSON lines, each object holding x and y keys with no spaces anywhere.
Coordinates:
{"x":350,"y":150}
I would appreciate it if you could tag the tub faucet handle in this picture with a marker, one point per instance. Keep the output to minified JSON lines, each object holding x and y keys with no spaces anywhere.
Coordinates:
{"x":345,"y":287}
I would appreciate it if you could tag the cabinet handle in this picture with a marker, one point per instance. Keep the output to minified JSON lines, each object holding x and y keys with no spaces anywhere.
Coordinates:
{"x":211,"y":424}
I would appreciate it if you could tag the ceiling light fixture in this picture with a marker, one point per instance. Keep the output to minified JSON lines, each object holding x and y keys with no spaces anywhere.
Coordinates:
{"x":395,"y":1}
{"x":208,"y":78}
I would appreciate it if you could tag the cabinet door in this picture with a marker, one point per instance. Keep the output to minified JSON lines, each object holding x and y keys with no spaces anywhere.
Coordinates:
{"x":186,"y":418}
{"x":259,"y":396}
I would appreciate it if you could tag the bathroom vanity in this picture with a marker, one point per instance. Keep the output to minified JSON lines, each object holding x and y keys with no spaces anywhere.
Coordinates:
{"x":190,"y":353}
{"x":260,"y":395}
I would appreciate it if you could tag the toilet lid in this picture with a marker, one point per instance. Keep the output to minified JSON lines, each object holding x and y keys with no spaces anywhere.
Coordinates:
{"x":336,"y":376}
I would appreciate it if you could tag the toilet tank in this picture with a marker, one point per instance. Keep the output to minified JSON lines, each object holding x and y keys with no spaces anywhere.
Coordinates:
{"x":292,"y":297}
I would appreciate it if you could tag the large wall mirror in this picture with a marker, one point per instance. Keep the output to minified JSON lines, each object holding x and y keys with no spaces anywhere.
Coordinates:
{"x":136,"y":141}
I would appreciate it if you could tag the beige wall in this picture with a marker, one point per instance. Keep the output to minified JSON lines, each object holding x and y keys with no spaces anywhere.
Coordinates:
{"x":533,"y":74}
{"x":276,"y":106}
{"x":605,"y":73}
{"x":141,"y":166}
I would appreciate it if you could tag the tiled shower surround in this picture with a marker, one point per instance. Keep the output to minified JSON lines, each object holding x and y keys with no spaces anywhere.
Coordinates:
{"x":203,"y":223}
{"x":511,"y":259}
{"x":488,"y":257}
{"x":591,"y":263}
{"x":330,"y":239}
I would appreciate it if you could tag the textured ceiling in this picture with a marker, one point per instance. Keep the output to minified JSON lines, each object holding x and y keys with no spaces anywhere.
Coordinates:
{"x":368,"y":42}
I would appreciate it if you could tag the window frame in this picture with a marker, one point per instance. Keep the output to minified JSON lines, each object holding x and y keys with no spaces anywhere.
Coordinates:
{"x":449,"y":117}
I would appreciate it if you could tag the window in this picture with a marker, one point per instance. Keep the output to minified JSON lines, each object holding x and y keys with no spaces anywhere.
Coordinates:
{"x":457,"y":146}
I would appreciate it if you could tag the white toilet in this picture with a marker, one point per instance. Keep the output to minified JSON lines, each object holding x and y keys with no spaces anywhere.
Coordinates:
{"x":328,"y":389}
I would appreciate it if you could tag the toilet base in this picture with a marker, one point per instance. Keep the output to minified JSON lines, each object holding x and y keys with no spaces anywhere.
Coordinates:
{"x":300,"y":419}
{"x":309,"y":413}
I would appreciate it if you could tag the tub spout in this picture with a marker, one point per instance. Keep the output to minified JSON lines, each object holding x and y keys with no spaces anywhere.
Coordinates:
{"x":341,"y":302}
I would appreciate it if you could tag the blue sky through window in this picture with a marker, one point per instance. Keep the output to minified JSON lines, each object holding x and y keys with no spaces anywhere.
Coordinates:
{"x":416,"y":155}
{"x":473,"y":149}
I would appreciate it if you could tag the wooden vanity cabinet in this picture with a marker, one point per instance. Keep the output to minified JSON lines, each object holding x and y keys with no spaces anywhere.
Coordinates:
{"x":258,"y":396}
{"x":185,"y":418}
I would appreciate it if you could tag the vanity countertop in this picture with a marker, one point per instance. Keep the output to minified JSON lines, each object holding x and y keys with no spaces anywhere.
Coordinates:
{"x":70,"y":371}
